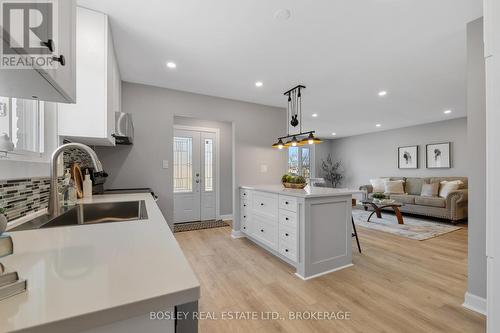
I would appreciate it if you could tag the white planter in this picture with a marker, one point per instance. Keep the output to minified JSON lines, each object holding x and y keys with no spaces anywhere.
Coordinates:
{"x":3,"y":223}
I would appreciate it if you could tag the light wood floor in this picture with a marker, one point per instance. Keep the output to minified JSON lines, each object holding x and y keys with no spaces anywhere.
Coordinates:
{"x":395,"y":285}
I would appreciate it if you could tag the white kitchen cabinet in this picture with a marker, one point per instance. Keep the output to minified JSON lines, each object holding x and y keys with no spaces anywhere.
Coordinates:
{"x":55,"y":85}
{"x":308,"y":229}
{"x":491,"y":27}
{"x":92,"y":119}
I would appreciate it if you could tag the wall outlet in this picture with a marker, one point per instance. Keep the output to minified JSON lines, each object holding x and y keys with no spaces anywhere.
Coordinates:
{"x":263,"y":168}
{"x":164,"y":164}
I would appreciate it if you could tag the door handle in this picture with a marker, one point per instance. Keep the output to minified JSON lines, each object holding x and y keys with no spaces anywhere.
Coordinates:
{"x":197,"y":181}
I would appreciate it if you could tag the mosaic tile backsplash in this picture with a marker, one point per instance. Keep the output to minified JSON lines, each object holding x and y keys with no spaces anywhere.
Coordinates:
{"x":21,"y":197}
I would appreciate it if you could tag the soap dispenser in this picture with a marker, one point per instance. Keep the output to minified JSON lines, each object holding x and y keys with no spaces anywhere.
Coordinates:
{"x":87,"y":185}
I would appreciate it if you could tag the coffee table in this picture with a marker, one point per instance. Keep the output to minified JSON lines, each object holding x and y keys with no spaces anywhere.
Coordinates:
{"x":378,"y":206}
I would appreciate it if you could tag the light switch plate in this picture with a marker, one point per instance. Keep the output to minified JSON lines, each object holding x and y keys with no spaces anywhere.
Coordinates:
{"x":165,"y":164}
{"x":263,"y":168}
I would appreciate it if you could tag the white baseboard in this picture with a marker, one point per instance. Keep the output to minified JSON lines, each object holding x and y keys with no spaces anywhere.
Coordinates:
{"x":324,"y":273}
{"x":227,"y":217}
{"x":237,"y":234}
{"x":475,"y":303}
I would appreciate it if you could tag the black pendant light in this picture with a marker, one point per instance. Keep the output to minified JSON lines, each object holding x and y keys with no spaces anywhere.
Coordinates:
{"x":294,"y":119}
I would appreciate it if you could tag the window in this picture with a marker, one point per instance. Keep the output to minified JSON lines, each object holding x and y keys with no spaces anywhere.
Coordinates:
{"x":183,"y":165}
{"x":209,"y":178}
{"x":22,"y":124}
{"x":300,"y":161}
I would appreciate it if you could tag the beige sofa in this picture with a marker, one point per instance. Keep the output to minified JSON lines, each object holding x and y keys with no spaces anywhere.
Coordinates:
{"x":453,"y":207}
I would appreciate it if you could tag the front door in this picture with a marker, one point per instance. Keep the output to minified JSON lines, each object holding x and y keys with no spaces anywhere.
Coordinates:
{"x":194,"y":176}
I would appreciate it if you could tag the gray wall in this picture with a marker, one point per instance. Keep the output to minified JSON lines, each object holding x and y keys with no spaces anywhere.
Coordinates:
{"x":255,"y":128}
{"x":225,"y":157}
{"x":374,"y":155}
{"x":476,"y":116}
{"x":321,"y":152}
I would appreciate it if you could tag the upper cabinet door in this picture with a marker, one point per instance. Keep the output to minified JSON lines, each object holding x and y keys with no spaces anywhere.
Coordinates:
{"x":50,"y":27}
{"x":491,"y":28}
{"x":92,"y":119}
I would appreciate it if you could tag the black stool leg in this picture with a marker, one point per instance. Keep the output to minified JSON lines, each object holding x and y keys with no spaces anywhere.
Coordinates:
{"x":355,"y":234}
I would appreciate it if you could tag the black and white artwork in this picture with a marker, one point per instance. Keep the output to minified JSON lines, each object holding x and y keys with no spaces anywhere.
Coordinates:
{"x":408,"y":157}
{"x":438,"y":156}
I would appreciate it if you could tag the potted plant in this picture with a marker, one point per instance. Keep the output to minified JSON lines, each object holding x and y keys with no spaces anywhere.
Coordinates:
{"x":3,"y":221}
{"x":332,"y":171}
{"x":293,"y":181}
{"x":378,"y":197}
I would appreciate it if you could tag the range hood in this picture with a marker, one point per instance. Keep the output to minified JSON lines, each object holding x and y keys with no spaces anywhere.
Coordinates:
{"x":124,"y":129}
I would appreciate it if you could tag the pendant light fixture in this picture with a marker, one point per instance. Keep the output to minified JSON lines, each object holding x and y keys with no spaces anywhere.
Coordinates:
{"x":294,"y":119}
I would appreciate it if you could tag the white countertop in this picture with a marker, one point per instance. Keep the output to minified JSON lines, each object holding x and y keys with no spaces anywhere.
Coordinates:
{"x":90,"y":275}
{"x":307,"y":192}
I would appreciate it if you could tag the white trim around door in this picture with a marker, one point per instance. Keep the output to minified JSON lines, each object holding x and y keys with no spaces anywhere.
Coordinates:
{"x":216,"y":131}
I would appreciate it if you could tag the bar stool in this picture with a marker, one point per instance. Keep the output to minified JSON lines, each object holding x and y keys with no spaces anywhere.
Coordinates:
{"x":355,"y":233}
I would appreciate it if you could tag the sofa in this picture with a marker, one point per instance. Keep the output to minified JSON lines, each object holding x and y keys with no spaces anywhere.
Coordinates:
{"x":453,"y":208}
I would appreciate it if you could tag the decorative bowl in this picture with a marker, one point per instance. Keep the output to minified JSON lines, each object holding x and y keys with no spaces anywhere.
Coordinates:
{"x":295,"y":185}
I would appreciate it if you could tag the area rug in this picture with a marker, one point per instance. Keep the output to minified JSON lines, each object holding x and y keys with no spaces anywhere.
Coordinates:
{"x":188,"y":226}
{"x":413,"y":227}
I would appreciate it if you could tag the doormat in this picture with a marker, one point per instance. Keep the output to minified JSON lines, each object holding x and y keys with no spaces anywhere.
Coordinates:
{"x":198,"y":225}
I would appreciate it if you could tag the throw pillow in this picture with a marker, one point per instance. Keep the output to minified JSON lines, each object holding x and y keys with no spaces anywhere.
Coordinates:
{"x":449,"y":186}
{"x":430,"y":190}
{"x":378,"y":184}
{"x":394,"y":187}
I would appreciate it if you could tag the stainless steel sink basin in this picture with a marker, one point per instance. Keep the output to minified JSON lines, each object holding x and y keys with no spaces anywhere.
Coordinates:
{"x":82,"y":214}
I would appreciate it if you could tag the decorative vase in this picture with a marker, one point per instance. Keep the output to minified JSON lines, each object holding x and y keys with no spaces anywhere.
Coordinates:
{"x":3,"y":223}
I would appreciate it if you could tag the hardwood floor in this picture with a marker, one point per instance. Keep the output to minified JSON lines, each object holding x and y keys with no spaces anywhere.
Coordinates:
{"x":395,"y":285}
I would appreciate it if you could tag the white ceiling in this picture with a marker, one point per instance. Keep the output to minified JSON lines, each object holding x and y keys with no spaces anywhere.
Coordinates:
{"x":344,"y":51}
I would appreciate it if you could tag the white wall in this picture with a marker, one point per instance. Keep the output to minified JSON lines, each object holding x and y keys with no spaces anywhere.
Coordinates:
{"x":225,"y":157}
{"x":376,"y":155}
{"x":153,"y":109}
{"x":476,"y":123}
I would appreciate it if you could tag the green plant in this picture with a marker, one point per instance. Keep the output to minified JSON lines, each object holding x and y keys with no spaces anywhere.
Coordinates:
{"x":332,"y":171}
{"x":284,"y":179}
{"x":378,"y":195}
{"x":300,"y":180}
{"x":2,"y":210}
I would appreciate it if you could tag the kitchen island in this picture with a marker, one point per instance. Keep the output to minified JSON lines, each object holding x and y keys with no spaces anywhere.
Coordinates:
{"x":309,"y":229}
{"x":97,"y":278}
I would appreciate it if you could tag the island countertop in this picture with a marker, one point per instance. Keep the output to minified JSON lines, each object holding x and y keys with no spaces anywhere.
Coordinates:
{"x":80,"y":277}
{"x":307,"y":192}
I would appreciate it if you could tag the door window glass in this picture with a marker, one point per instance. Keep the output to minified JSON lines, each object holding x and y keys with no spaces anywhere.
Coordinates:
{"x":183,"y":164}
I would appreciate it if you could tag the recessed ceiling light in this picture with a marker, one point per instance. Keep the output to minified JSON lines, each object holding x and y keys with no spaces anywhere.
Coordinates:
{"x":259,"y":84}
{"x":282,"y":14}
{"x":382,"y":93}
{"x":334,"y":133}
{"x":314,"y":115}
{"x":171,"y":65}
{"x":447,"y":112}
{"x":378,"y":125}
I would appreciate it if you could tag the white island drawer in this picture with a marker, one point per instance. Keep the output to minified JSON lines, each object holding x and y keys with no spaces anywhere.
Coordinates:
{"x":265,"y":231}
{"x":287,"y":234}
{"x":288,"y":219}
{"x":289,"y":250}
{"x":265,"y":203}
{"x":288,"y":203}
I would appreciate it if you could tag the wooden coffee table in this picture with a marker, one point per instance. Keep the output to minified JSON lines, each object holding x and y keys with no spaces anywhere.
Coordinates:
{"x":378,"y":206}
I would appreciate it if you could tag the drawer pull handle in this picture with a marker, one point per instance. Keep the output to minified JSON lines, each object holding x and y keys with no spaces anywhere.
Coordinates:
{"x":286,"y":202}
{"x":244,"y":205}
{"x":286,"y":235}
{"x":244,"y":194}
{"x":286,"y":250}
{"x":261,"y":230}
{"x":261,"y":204}
{"x":244,"y":227}
{"x":244,"y":216}
{"x":286,"y":218}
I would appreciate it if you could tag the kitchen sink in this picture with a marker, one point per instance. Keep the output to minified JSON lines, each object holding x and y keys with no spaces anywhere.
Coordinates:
{"x":95,"y":213}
